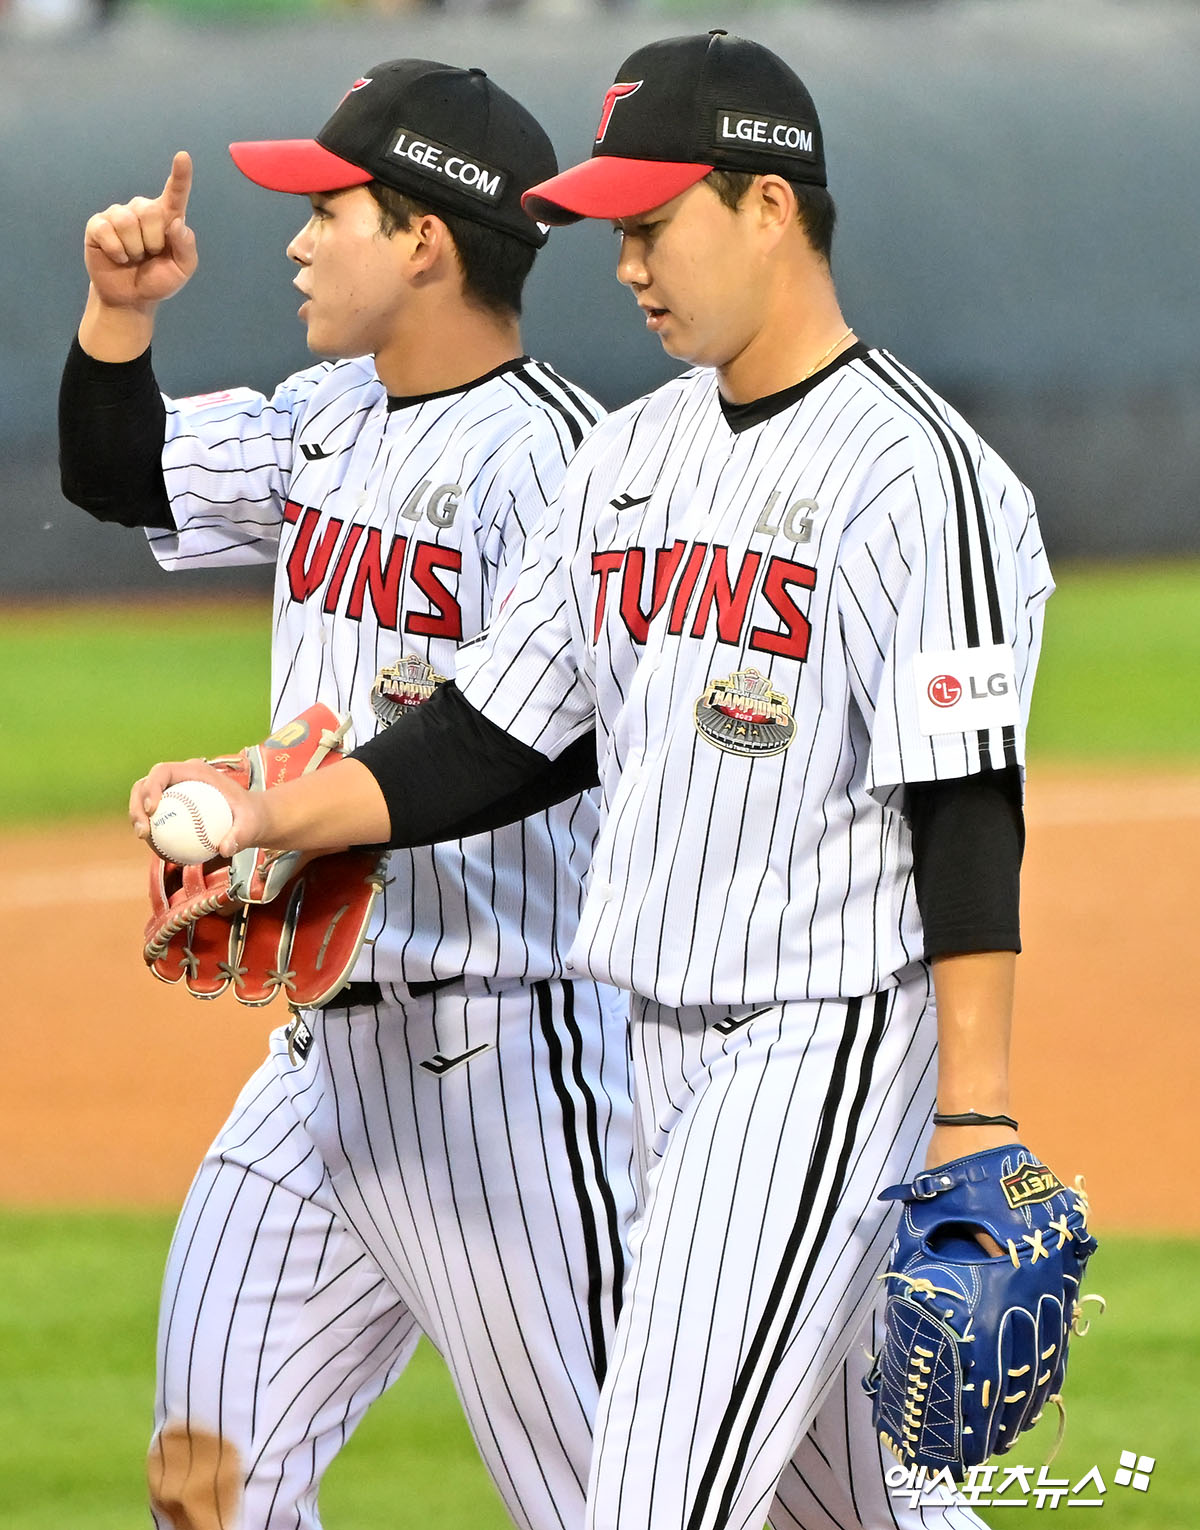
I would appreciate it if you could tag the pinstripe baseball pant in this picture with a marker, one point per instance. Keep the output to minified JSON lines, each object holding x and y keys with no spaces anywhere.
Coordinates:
{"x":458,"y":1166}
{"x":764,"y":1141}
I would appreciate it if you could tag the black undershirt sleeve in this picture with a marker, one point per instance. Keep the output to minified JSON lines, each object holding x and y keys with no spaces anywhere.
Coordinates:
{"x":968,"y":839}
{"x":446,"y":772}
{"x":111,"y":427}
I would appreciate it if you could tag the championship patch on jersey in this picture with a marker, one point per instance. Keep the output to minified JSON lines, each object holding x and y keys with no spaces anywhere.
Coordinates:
{"x":742,"y":714}
{"x":401,"y":686}
{"x":963,"y":689}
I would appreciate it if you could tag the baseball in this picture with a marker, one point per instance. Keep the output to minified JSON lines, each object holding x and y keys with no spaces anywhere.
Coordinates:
{"x":191,"y":820}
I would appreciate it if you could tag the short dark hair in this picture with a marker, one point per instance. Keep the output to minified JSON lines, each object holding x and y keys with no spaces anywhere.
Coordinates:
{"x":494,"y":264}
{"x":814,"y":205}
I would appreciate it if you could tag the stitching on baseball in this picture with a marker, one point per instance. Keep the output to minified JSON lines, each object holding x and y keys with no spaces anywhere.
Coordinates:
{"x":196,"y":816}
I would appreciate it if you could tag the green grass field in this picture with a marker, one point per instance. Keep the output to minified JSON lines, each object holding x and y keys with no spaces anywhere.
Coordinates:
{"x":107,"y":691}
{"x":1120,"y":667}
{"x":90,"y":698}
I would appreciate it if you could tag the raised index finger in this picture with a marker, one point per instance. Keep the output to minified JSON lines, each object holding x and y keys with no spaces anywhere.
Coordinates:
{"x":178,"y":188}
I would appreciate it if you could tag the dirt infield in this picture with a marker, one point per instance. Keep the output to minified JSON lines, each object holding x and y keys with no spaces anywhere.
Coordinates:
{"x":113,"y":1084}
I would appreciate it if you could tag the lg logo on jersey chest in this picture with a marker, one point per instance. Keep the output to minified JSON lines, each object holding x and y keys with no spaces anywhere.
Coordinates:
{"x":796,"y":522}
{"x":351,"y":564}
{"x":437,"y":503}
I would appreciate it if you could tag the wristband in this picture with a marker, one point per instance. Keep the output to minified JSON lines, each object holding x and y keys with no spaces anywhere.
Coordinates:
{"x":973,"y":1118}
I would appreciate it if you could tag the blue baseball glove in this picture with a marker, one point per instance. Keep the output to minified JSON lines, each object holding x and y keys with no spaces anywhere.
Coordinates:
{"x":976,"y":1345}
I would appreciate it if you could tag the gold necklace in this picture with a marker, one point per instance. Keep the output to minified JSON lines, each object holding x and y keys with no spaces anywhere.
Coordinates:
{"x":821,"y":360}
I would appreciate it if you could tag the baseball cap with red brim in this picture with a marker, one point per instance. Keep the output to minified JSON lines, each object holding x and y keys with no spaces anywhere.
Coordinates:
{"x":447,"y":136}
{"x":298,"y":165}
{"x":678,"y":109}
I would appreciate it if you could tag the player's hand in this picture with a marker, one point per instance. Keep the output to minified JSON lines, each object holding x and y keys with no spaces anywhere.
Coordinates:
{"x":247,"y":807}
{"x":138,"y":253}
{"x":951,"y":1142}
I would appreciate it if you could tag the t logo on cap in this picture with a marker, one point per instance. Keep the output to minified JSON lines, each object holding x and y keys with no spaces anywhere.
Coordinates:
{"x":360,"y":84}
{"x":612,"y":96}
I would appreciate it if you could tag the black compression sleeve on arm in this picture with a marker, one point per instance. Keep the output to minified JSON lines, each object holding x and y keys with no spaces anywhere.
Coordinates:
{"x":111,"y":427}
{"x":445,"y":772}
{"x":968,"y":839}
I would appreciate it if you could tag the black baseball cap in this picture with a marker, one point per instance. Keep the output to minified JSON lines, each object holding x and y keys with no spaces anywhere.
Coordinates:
{"x":678,"y":109}
{"x":448,"y":136}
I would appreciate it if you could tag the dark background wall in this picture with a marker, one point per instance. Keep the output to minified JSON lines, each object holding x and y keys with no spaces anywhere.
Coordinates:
{"x":1017,"y":185}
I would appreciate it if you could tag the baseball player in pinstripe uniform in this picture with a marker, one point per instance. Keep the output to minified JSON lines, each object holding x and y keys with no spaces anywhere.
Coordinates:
{"x":800,"y":601}
{"x":447,"y":1148}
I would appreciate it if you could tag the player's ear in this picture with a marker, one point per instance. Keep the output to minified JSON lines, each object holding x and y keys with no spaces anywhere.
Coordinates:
{"x":774,"y":202}
{"x":432,"y":243}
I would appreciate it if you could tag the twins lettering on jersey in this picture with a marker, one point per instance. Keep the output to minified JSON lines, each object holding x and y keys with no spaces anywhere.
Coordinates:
{"x":351,"y":565}
{"x":748,"y":603}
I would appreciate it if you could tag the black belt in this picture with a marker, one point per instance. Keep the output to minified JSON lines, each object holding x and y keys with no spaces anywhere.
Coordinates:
{"x":355,"y":995}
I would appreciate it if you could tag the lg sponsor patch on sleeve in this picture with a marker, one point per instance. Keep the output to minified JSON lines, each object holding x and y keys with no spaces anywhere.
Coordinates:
{"x":963,"y":689}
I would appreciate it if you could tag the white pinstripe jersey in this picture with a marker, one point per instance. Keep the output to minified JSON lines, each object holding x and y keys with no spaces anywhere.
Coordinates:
{"x":775,"y":627}
{"x":391,"y":525}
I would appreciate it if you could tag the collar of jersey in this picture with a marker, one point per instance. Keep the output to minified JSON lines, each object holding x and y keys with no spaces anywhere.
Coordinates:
{"x":407,"y":400}
{"x":741,"y":417}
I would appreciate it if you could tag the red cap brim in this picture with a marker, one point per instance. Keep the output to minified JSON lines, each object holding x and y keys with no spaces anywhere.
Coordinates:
{"x":296,"y":164}
{"x":609,"y":187}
